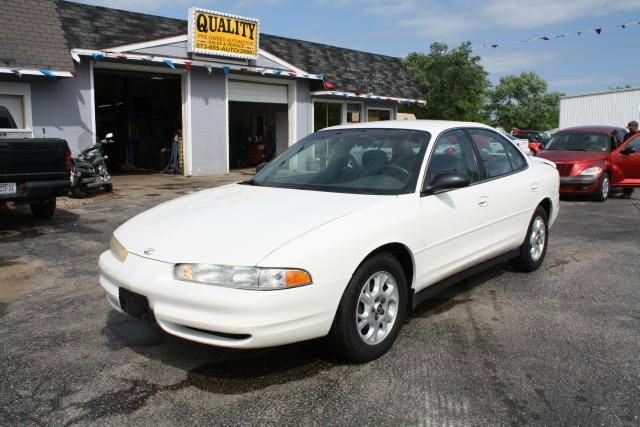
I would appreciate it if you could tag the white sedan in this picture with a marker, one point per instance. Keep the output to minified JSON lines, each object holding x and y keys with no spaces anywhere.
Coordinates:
{"x":342,"y":235}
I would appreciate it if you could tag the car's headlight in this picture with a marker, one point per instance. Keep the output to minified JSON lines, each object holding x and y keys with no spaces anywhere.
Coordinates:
{"x":117,"y":249}
{"x":257,"y":278}
{"x":593,"y":170}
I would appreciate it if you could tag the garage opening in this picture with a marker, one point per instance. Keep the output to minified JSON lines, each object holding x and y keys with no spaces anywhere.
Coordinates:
{"x":144,"y":113}
{"x":258,"y":123}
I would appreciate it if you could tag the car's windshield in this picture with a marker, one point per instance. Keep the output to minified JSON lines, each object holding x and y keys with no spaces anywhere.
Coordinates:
{"x":365,"y":161}
{"x":578,"y":142}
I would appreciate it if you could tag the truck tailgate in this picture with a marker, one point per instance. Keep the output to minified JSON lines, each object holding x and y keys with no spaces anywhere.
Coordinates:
{"x":32,"y":159}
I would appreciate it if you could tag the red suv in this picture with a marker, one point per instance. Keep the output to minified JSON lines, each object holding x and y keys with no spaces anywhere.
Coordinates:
{"x":592,"y":160}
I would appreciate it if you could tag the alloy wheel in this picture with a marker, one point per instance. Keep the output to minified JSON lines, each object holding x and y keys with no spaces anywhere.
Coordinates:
{"x":377,"y":308}
{"x":537,"y":239}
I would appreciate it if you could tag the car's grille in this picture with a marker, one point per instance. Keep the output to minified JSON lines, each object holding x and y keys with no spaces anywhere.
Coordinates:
{"x":564,"y":169}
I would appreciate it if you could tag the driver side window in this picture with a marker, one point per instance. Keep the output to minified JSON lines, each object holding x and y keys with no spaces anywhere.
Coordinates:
{"x":452,"y":153}
{"x":634,"y":144}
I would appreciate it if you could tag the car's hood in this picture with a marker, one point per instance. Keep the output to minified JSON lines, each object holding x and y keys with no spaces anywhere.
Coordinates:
{"x":573,"y":156}
{"x":235,"y":224}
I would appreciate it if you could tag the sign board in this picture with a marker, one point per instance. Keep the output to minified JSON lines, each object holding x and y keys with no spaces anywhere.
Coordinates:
{"x":221,"y":34}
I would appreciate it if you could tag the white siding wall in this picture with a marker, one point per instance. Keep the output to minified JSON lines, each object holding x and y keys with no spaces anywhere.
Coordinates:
{"x":63,"y":108}
{"x":612,"y":109}
{"x":208,"y":123}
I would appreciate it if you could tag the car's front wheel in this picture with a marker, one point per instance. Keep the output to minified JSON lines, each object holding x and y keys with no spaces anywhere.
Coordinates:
{"x":603,"y":189}
{"x":372,"y":309}
{"x":534,"y":247}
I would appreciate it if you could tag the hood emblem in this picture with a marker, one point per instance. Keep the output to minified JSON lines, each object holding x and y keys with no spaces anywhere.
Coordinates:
{"x":149,"y":251}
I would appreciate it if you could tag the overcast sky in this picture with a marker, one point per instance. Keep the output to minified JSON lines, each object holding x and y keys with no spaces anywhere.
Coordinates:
{"x":574,"y":64}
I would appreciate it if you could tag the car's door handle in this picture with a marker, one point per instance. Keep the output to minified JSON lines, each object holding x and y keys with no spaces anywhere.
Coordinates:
{"x":483,"y":201}
{"x":535,"y":187}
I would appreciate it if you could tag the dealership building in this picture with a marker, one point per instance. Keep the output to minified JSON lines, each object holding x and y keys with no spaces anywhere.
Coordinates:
{"x":231,"y":95}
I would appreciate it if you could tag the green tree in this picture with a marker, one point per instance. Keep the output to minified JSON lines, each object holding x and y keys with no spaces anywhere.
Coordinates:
{"x":454,"y":83}
{"x":523,"y":102}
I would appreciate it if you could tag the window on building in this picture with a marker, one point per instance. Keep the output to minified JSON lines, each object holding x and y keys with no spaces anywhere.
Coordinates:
{"x":376,"y":115}
{"x":354,"y":113}
{"x":12,"y":112}
{"x":326,"y":114}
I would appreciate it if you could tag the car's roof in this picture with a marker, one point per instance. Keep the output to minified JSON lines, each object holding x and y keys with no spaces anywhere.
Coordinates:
{"x":591,"y":129}
{"x":434,"y":127}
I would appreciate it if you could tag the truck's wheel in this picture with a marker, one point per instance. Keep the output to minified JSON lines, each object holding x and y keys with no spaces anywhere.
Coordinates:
{"x":43,"y":209}
{"x":108,"y":188}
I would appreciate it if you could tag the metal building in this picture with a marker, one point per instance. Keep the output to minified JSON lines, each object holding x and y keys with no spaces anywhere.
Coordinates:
{"x":612,"y":108}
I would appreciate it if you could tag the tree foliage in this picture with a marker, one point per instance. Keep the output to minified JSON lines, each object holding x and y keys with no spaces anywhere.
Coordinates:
{"x":454,"y":83}
{"x":523,"y":102}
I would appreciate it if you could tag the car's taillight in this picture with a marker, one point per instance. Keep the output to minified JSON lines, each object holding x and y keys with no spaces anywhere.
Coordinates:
{"x":67,"y":160}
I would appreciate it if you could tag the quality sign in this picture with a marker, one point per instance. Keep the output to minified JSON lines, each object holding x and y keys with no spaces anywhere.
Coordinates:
{"x":215,"y":33}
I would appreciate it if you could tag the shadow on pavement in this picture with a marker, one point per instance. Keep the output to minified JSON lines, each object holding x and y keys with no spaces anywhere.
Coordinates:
{"x":448,"y":299}
{"x":219,"y":370}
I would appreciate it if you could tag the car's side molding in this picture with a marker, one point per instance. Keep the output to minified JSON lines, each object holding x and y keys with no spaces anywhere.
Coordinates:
{"x":430,"y":291}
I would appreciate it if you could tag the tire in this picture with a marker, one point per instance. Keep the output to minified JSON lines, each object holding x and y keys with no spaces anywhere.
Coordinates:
{"x":78,"y":192}
{"x":388,"y":301}
{"x":604,"y":188}
{"x":533,"y":250}
{"x":43,"y":209}
{"x":627,"y":192}
{"x":108,"y":188}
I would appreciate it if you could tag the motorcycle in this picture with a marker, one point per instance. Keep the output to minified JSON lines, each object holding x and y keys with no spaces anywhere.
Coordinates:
{"x":89,"y":170}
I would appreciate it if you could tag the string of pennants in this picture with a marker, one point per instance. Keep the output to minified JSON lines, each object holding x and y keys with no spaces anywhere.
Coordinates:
{"x":172,"y":62}
{"x":97,"y":56}
{"x":597,"y":31}
{"x":360,"y":95}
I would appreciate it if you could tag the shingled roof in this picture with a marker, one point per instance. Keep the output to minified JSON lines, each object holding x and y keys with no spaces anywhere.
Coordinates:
{"x":21,"y":48}
{"x":75,"y":25}
{"x":348,"y":69}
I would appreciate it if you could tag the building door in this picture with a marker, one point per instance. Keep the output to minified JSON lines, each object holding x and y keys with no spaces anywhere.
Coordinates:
{"x":258,"y":122}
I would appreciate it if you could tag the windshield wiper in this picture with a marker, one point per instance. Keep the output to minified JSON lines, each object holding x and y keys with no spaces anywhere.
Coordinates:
{"x":250,"y":182}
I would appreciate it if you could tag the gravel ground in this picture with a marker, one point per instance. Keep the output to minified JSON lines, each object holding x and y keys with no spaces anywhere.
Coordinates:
{"x":557,"y":346}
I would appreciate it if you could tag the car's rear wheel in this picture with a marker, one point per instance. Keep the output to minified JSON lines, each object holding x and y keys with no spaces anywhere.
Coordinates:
{"x":372,"y":310}
{"x":43,"y":209}
{"x":534,"y":247}
{"x":603,"y":189}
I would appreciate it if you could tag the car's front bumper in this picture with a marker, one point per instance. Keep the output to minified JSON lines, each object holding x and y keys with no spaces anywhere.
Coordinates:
{"x":223,"y":316}
{"x":579,"y":184}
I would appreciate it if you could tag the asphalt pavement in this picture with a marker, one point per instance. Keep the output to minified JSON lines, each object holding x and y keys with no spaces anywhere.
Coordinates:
{"x":560,"y":346}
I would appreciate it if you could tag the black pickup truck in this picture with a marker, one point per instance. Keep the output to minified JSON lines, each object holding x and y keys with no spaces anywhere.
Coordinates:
{"x":34,"y":171}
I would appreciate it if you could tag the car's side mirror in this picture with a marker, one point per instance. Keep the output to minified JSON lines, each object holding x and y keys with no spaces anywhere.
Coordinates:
{"x":627,"y":151}
{"x":261,"y":166}
{"x":446,"y":181}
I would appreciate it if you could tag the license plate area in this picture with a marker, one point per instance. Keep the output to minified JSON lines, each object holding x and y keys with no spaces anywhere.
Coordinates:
{"x":135,"y":305}
{"x":8,"y":188}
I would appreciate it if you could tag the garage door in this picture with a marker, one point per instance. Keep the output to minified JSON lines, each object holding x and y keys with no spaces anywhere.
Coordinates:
{"x":257,"y":92}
